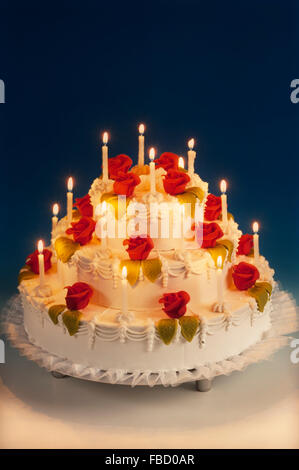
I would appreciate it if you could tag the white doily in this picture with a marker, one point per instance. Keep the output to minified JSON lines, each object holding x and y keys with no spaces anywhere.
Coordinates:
{"x":284,"y":322}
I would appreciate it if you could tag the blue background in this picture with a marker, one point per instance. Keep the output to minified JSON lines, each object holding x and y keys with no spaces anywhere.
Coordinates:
{"x":217,"y":71}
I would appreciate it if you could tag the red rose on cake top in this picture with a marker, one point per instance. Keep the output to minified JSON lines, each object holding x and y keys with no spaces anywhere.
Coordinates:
{"x":82,"y":230}
{"x":175,"y":182}
{"x":32,"y":260}
{"x":175,"y":303}
{"x":245,"y":275}
{"x":167,"y":161}
{"x":84,"y":206}
{"x":210,"y":234}
{"x":245,"y":244}
{"x":139,"y":247}
{"x":125,"y":184}
{"x":213,"y":207}
{"x":78,"y":295}
{"x":119,"y":164}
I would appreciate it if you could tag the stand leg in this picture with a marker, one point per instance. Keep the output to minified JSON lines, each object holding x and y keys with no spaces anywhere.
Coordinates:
{"x":203,"y":385}
{"x":58,"y":375}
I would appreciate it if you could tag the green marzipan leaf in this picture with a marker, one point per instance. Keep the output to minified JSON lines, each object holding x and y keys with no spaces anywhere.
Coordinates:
{"x":133,"y":270}
{"x":55,"y":311}
{"x":218,"y":250}
{"x":261,"y":291}
{"x":167,"y":328}
{"x":151,"y":268}
{"x":266,"y":285}
{"x":188,"y":198}
{"x":199,"y":193}
{"x":25,"y":273}
{"x":189,"y":326}
{"x":71,"y":319}
{"x":229,"y":246}
{"x":65,"y":248}
{"x":119,"y":204}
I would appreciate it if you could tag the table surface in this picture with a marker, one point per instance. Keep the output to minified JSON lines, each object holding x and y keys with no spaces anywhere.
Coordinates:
{"x":257,"y":408}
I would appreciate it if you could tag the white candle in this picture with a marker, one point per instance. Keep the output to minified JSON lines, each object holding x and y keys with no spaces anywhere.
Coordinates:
{"x":223,"y":203}
{"x":181,"y":163}
{"x":105,"y":157}
{"x":219,"y":281}
{"x":41,"y":263}
{"x":69,"y":213}
{"x":141,"y":145}
{"x":256,"y":249}
{"x":124,"y":285}
{"x":152,"y":170}
{"x":104,"y":225}
{"x":55,"y":218}
{"x":191,"y":157}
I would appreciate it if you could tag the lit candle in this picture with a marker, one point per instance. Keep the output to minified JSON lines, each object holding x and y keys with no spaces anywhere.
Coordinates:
{"x":219,"y":281}
{"x":55,"y":218}
{"x":181,"y":163}
{"x":104,"y":225}
{"x":69,"y":213}
{"x":191,"y":157}
{"x":223,"y":203}
{"x":256,"y":250}
{"x":41,"y":263}
{"x":141,"y":145}
{"x":124,"y":284}
{"x":105,"y":157}
{"x":152,"y":170}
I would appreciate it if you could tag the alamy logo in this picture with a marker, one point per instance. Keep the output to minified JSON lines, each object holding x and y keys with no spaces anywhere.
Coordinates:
{"x":294,"y":96}
{"x":2,"y":92}
{"x":2,"y":352}
{"x":295,"y":354}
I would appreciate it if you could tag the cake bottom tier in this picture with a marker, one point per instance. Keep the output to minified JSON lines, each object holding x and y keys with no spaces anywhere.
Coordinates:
{"x":131,"y":348}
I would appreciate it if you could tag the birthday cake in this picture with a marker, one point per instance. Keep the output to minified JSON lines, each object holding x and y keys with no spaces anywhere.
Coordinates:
{"x":147,"y":273}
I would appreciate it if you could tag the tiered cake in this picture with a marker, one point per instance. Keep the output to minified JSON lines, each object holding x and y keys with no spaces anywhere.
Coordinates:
{"x":147,"y":273}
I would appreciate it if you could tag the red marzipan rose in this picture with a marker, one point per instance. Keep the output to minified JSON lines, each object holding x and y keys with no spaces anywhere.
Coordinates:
{"x":119,"y":164}
{"x":245,"y":244}
{"x":78,"y":295}
{"x":210,"y":234}
{"x":82,"y":230}
{"x":245,"y":275}
{"x":139,"y":247}
{"x":167,"y":161}
{"x":32,"y":260}
{"x":125,"y":184}
{"x":213,"y":207}
{"x":175,"y":182}
{"x":175,"y":303}
{"x":84,"y":206}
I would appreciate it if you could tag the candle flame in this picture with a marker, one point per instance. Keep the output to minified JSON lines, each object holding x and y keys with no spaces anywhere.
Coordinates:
{"x":223,"y":186}
{"x":255,"y":227}
{"x":124,"y":273}
{"x":105,"y":138}
{"x":70,"y":184}
{"x":191,"y":144}
{"x":219,"y":262}
{"x":152,"y":153}
{"x":181,"y":162}
{"x":55,"y":209}
{"x":141,"y":129}
{"x":40,"y":246}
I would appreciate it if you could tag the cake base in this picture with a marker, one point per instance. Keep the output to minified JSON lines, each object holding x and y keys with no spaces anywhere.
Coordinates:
{"x":283,"y":318}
